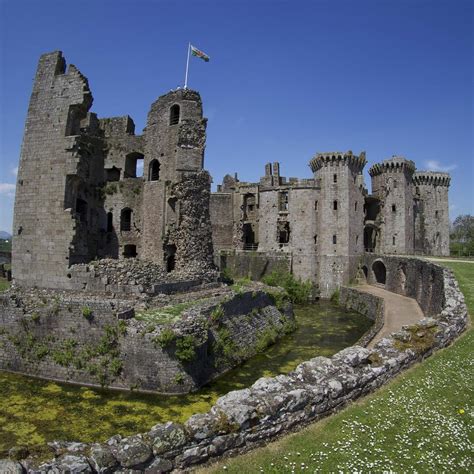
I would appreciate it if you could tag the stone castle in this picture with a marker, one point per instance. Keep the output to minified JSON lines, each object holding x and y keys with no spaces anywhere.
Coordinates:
{"x":80,"y":197}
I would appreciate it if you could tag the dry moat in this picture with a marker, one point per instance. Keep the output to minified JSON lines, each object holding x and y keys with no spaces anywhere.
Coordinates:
{"x":33,"y":411}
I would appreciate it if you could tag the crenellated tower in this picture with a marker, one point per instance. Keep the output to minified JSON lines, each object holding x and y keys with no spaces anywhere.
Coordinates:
{"x":392,"y":185}
{"x":431,"y":212}
{"x":340,"y":216}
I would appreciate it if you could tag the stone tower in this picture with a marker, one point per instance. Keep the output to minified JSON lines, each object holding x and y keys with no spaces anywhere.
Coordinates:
{"x":431,"y":212}
{"x":392,"y":185}
{"x":340,"y":215}
{"x":176,"y":189}
{"x":54,"y":224}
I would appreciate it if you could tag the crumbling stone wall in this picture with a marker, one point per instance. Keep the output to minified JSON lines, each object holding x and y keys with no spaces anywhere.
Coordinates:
{"x":98,"y":341}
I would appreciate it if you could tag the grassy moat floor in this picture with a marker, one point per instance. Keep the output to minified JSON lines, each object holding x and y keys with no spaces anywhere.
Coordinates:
{"x":421,"y":422}
{"x":34,"y":411}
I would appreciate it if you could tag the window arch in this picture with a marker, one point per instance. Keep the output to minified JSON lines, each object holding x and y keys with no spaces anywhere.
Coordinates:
{"x":174,"y":114}
{"x":126,"y":219}
{"x":154,"y":170}
{"x":110,"y":222}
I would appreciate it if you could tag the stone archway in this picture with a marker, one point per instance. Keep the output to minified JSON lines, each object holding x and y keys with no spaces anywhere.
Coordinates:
{"x":380,"y":272}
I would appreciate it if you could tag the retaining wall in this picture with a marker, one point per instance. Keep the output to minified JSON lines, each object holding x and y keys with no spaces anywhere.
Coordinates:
{"x":271,"y":406}
{"x":100,"y":343}
{"x":367,"y":304}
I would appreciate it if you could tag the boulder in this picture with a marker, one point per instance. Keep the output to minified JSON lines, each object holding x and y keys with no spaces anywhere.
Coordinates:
{"x":133,"y":451}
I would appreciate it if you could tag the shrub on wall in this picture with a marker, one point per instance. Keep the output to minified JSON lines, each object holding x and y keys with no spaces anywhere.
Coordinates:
{"x":298,"y":291}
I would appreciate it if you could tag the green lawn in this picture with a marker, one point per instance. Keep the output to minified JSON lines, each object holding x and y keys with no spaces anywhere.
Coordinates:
{"x":420,"y":422}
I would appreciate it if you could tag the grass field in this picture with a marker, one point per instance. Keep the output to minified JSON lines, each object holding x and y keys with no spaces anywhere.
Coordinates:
{"x":420,"y":422}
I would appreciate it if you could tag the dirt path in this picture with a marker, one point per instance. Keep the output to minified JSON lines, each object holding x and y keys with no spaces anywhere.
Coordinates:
{"x":399,"y":310}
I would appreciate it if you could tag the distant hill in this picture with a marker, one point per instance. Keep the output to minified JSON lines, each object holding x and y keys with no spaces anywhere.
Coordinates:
{"x":5,"y":235}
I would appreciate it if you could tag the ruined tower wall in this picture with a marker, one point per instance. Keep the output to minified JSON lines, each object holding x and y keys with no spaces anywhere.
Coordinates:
{"x":392,"y":184}
{"x":54,"y":169}
{"x":175,"y":140}
{"x":432,"y":216}
{"x":221,"y":213}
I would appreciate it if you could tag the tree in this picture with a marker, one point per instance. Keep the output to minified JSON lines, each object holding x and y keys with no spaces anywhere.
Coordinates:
{"x":462,"y":235}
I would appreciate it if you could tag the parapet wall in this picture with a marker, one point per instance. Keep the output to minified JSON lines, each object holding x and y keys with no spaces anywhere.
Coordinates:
{"x":271,"y":406}
{"x":412,"y":277}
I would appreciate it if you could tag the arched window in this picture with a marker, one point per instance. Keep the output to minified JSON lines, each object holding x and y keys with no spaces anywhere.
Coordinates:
{"x":110,"y":222}
{"x":174,"y":114}
{"x":154,"y":171}
{"x":126,"y":219}
{"x":380,"y":272}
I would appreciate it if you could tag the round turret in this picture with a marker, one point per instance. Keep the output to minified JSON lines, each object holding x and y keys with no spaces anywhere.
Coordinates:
{"x":393,"y":165}
{"x":431,"y":178}
{"x":337,"y":158}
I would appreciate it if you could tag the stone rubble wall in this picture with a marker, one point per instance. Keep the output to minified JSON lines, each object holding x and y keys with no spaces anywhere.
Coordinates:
{"x":98,"y":341}
{"x":271,"y":406}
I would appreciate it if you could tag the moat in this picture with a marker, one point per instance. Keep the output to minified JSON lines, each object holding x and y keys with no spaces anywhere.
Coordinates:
{"x":34,"y":411}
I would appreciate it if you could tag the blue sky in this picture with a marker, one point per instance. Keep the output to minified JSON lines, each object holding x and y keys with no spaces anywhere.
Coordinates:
{"x":286,"y":78}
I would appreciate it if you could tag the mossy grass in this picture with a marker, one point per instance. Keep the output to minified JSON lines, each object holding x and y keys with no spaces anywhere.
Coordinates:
{"x":421,"y":421}
{"x":166,"y":314}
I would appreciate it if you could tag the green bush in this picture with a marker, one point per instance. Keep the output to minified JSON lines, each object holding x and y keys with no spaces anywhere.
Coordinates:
{"x":165,"y":338}
{"x":87,"y":313}
{"x":216,"y":315}
{"x":298,"y":291}
{"x":185,"y":348}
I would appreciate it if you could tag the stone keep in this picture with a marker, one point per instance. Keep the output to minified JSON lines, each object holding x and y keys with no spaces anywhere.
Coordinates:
{"x":80,"y":195}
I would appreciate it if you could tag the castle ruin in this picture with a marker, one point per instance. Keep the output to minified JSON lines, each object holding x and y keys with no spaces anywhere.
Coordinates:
{"x":79,"y":198}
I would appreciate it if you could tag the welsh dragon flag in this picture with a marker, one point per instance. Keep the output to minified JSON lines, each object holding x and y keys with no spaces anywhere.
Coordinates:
{"x":199,"y":54}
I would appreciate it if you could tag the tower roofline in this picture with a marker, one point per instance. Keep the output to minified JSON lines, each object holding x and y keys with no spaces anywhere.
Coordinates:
{"x":435,"y":178}
{"x":394,"y":164}
{"x":336,"y":158}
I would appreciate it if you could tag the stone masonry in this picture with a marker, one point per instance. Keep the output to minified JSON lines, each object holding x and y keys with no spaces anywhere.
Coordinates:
{"x":324,"y":225}
{"x":80,"y":194}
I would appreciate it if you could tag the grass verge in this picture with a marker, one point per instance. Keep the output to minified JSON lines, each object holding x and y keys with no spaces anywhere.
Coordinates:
{"x":420,"y":422}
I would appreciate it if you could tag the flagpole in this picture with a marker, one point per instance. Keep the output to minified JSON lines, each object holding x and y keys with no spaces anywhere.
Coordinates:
{"x":187,"y":68}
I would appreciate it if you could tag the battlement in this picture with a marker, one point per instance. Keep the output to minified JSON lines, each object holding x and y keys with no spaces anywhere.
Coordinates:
{"x":431,"y":178}
{"x":337,"y":158}
{"x":396,"y":164}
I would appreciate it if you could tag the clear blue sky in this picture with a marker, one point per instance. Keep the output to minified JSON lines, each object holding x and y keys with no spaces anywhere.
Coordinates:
{"x":286,"y":78}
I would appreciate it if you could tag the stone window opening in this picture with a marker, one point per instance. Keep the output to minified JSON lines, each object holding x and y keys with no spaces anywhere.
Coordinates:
{"x":334,"y":239}
{"x":126,"y":219}
{"x":393,"y":240}
{"x":170,"y":257}
{"x":129,"y":251}
{"x":112,"y":174}
{"x":394,"y":208}
{"x":334,"y":178}
{"x":357,"y":239}
{"x":355,"y":206}
{"x":283,"y":201}
{"x":154,"y":170}
{"x":174,"y":114}
{"x":315,"y":205}
{"x":334,"y":205}
{"x":316,"y":239}
{"x":110,"y":222}
{"x":283,"y":232}
{"x":436,"y":214}
{"x":81,"y":210}
{"x":133,"y":165}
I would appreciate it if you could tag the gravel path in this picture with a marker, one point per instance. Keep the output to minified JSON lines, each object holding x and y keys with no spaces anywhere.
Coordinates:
{"x":399,"y":310}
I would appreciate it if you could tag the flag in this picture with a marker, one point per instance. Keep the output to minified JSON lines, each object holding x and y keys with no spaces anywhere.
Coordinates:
{"x":199,"y":54}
